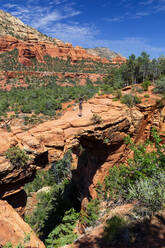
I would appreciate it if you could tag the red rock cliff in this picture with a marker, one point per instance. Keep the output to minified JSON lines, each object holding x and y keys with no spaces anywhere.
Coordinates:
{"x":37,"y":49}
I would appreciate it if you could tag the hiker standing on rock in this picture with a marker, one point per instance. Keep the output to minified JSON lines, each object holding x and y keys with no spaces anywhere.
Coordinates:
{"x":80,"y":106}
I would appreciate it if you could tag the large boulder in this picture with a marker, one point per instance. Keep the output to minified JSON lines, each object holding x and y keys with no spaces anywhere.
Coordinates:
{"x":14,"y":230}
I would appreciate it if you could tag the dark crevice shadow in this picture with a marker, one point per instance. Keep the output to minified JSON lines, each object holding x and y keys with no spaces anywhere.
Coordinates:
{"x":93,"y":155}
{"x":42,"y":160}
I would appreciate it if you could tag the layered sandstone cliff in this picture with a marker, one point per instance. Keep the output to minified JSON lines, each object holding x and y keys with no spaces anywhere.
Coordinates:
{"x":103,"y":142}
{"x":30,"y":49}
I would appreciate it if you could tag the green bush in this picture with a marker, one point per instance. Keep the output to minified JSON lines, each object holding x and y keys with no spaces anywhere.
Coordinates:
{"x":160,"y":86}
{"x":118,"y":94}
{"x":53,"y":204}
{"x":130,"y":100}
{"x":63,"y":234}
{"x":143,"y":166}
{"x":145,"y":85}
{"x":91,"y":214}
{"x":62,"y":168}
{"x":42,"y":179}
{"x":150,"y":193}
{"x":96,"y":119}
{"x":115,"y":230}
{"x":17,"y":157}
{"x":146,"y":96}
{"x":48,"y":203}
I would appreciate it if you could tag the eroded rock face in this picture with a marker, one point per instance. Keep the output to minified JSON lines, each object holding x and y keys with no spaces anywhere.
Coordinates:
{"x":96,"y":146}
{"x":13,"y":229}
{"x":30,"y":49}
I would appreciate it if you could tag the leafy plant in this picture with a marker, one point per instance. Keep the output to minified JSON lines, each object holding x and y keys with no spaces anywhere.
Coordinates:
{"x":42,"y":179}
{"x":160,"y":86}
{"x":150,"y":193}
{"x":89,"y":216}
{"x":145,"y":85}
{"x":116,"y":230}
{"x":143,"y":166}
{"x":130,"y":100}
{"x":61,"y":169}
{"x":63,"y":234}
{"x":96,"y":119}
{"x":17,"y":157}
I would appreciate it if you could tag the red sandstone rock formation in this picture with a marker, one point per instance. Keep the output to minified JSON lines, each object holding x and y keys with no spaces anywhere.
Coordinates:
{"x":103,"y":142}
{"x":30,"y":49}
{"x":13,"y":229}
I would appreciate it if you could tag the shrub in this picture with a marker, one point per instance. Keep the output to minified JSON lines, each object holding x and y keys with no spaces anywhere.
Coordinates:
{"x":62,"y":168}
{"x":91,"y":214}
{"x":150,"y":193}
{"x":146,"y":96}
{"x":139,"y":90}
{"x":42,"y":179}
{"x":160,"y":86}
{"x":63,"y":233}
{"x":130,"y":100}
{"x":96,"y":119}
{"x":47,"y":204}
{"x":144,"y":165}
{"x":145,"y":85}
{"x":116,"y":182}
{"x":116,"y":230}
{"x":118,"y":94}
{"x":17,"y":157}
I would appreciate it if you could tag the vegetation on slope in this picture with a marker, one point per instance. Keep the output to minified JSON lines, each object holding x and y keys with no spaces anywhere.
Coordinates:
{"x":44,"y":99}
{"x":9,"y":62}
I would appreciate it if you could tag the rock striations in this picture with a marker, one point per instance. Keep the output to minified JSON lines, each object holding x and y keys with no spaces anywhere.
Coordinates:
{"x":33,"y":44}
{"x":102,"y":141}
{"x":30,"y":49}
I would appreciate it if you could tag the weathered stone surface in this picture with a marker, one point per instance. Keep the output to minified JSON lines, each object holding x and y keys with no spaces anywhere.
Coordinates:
{"x":83,"y":122}
{"x":103,"y":142}
{"x":30,"y":49}
{"x":13,"y":229}
{"x":136,"y":117}
{"x":5,"y":139}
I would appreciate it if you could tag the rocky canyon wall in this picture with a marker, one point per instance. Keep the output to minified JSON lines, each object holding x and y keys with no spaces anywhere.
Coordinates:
{"x":95,"y":146}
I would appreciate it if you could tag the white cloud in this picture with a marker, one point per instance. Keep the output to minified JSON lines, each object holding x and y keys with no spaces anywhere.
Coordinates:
{"x":74,"y":32}
{"x":55,"y":20}
{"x":39,"y":16}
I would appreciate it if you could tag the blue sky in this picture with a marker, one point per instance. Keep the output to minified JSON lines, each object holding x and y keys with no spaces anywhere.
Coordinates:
{"x":125,"y":26}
